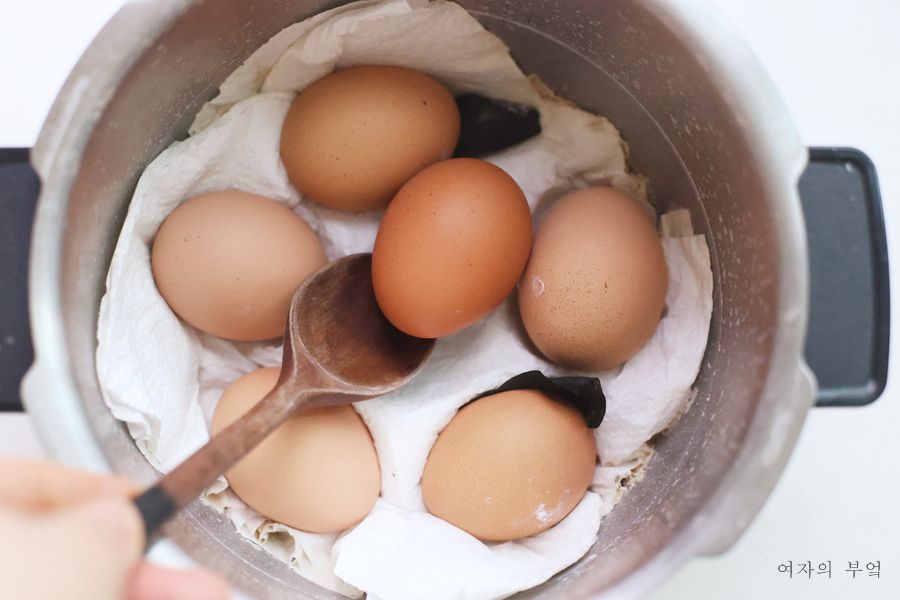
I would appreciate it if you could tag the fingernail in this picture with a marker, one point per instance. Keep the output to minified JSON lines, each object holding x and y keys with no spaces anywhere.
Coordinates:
{"x":119,"y":520}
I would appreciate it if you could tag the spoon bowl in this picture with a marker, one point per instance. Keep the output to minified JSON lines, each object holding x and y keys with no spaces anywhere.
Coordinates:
{"x":335,"y":324}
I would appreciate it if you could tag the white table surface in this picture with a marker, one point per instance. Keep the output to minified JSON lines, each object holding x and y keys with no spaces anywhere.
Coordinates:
{"x":837,"y":65}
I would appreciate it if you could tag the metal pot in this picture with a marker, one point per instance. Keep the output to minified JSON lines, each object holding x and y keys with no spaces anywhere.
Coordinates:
{"x":704,"y":124}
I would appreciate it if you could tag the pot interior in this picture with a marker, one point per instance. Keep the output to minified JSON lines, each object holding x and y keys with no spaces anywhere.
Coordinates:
{"x":619,"y":58}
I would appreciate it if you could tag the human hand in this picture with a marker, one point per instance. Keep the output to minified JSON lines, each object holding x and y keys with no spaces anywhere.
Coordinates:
{"x":67,"y":535}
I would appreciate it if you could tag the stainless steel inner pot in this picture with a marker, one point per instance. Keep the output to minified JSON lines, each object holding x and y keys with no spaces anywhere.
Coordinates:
{"x":703,"y":123}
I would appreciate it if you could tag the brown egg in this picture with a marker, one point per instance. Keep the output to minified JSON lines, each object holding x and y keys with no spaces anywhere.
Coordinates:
{"x":317,"y":472}
{"x":451,"y":247}
{"x":510,"y":465}
{"x":353,"y":138}
{"x":229,"y":263}
{"x":595,"y":285}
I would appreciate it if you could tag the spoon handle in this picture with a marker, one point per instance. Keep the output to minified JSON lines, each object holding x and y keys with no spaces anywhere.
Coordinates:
{"x":188,"y":480}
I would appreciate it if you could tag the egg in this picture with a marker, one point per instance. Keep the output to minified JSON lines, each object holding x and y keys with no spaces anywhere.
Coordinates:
{"x":318,"y":472}
{"x":510,"y":465}
{"x":229,"y":263}
{"x":353,"y":138}
{"x":450,"y":247}
{"x":595,"y":286}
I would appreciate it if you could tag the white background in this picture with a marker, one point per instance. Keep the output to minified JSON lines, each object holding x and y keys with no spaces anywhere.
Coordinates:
{"x":837,"y":65}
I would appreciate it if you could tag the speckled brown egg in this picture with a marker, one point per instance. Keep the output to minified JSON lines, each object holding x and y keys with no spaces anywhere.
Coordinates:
{"x":229,"y":263}
{"x":595,"y":286}
{"x":510,"y":465}
{"x":317,"y":472}
{"x":353,"y":138}
{"x":451,"y":247}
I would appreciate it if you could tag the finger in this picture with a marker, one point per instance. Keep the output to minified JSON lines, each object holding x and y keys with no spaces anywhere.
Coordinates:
{"x":79,"y":553}
{"x":41,"y":486}
{"x":150,"y":582}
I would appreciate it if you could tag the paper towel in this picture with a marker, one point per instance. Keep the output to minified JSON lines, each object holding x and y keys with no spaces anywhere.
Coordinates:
{"x":163,"y":377}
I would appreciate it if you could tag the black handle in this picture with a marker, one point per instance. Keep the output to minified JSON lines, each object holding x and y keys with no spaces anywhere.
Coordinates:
{"x":849,"y":315}
{"x":19,"y":188}
{"x":156,"y":507}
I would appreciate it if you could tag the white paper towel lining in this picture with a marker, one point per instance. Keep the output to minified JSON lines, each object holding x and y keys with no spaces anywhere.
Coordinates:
{"x":163,"y":377}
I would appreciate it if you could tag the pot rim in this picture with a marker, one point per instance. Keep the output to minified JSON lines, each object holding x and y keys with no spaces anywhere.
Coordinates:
{"x":50,"y":393}
{"x":790,"y":386}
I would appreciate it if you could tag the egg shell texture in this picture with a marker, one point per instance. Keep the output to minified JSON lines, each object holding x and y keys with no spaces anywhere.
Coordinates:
{"x":451,"y":247}
{"x":595,"y":286}
{"x":229,"y":262}
{"x":353,"y":138}
{"x":510,"y":465}
{"x":317,"y":472}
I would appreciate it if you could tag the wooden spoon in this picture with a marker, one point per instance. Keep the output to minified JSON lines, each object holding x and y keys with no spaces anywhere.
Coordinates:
{"x":338,"y":348}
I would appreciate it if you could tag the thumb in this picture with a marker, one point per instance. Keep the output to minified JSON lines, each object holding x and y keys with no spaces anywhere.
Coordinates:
{"x":93,"y":545}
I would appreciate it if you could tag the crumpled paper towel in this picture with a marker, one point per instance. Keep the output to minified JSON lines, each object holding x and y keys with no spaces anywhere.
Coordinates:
{"x":163,"y":377}
{"x":392,"y":541}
